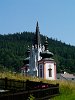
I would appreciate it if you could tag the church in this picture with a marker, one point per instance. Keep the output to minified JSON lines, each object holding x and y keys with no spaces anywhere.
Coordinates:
{"x":39,"y":61}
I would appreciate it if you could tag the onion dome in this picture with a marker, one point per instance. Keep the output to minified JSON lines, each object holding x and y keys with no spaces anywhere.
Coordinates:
{"x":26,"y":60}
{"x":28,"y":52}
{"x":46,"y":53}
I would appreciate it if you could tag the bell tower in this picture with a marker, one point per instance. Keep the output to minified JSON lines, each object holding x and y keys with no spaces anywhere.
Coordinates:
{"x":35,"y":52}
{"x":47,"y":65}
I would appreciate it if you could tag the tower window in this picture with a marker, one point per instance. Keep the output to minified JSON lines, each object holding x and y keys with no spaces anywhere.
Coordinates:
{"x":41,"y":71}
{"x":50,"y":72}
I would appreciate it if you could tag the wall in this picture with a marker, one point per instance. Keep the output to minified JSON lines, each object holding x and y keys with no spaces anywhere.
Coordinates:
{"x":53,"y":67}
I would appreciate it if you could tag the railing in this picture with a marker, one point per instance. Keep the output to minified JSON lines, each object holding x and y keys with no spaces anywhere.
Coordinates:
{"x":11,"y":84}
{"x":21,"y":90}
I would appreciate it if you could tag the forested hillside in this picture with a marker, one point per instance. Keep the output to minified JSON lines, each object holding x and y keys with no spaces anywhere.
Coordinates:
{"x":14,"y":46}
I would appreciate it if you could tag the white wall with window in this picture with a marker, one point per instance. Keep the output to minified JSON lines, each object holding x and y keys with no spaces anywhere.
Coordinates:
{"x":40,"y":71}
{"x":47,"y":70}
{"x":50,"y":71}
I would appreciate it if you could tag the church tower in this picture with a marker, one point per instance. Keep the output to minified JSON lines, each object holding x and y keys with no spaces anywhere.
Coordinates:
{"x":39,"y":61}
{"x":47,"y":65}
{"x":35,"y":53}
{"x":37,"y":40}
{"x":25,"y":67}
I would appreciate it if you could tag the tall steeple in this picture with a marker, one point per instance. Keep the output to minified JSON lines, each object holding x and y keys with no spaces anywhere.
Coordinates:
{"x":37,"y":36}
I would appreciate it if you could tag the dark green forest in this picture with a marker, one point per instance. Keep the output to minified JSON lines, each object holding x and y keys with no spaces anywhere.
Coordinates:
{"x":14,"y":46}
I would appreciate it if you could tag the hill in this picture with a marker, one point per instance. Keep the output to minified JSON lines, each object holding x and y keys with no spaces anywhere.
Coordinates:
{"x":14,"y":46}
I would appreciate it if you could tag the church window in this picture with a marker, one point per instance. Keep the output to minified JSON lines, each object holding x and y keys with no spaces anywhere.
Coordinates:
{"x":50,"y":72}
{"x":41,"y":71}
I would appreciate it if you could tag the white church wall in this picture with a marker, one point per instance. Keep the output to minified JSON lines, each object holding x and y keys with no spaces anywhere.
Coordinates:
{"x":47,"y":67}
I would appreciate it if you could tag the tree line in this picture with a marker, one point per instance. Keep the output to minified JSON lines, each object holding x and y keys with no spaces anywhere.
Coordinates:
{"x":14,"y":46}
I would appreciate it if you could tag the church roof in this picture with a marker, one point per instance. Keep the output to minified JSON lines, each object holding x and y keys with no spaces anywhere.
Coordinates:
{"x":46,"y":54}
{"x":26,"y":60}
{"x":46,"y":59}
{"x":67,"y":75}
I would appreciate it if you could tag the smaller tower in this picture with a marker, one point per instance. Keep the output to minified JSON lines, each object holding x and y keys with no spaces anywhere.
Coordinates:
{"x":25,"y":67}
{"x":47,"y":65}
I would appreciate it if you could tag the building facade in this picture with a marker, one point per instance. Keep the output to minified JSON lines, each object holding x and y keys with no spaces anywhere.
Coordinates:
{"x":39,"y":61}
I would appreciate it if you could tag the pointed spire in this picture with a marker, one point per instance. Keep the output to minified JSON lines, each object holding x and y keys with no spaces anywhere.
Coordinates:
{"x":37,"y":23}
{"x":37,"y":36}
{"x":37,"y":29}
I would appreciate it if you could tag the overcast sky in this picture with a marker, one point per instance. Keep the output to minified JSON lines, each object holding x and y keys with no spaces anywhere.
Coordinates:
{"x":56,"y":18}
